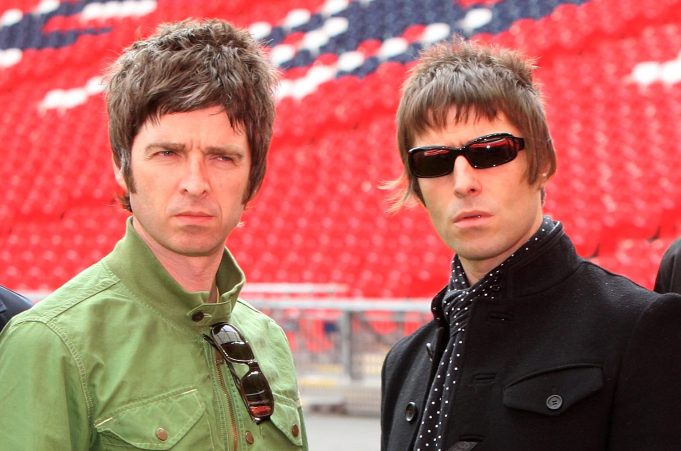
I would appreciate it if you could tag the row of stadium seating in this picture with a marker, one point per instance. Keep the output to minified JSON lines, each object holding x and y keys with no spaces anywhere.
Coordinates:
{"x":320,"y":216}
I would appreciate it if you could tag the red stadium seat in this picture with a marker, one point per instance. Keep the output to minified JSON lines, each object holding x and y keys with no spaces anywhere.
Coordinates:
{"x":320,"y":216}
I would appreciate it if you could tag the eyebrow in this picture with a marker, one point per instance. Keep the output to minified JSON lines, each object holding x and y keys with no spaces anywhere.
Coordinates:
{"x":164,"y":145}
{"x":228,"y":149}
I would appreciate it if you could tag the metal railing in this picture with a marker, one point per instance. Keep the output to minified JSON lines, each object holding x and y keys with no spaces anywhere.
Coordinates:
{"x":339,"y":344}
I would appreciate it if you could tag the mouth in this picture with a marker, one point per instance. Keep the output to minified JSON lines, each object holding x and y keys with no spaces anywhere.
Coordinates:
{"x":470,"y":217}
{"x":194,"y":216}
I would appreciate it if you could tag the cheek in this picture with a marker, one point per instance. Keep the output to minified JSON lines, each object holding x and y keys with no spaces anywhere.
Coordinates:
{"x":430,"y":191}
{"x":523,"y":208}
{"x":435,"y":198}
{"x":234,"y":186}
{"x":438,"y":212}
{"x":151,"y":191}
{"x":231,"y":199}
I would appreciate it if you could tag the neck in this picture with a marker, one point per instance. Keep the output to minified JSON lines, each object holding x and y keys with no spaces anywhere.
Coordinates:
{"x":476,"y":269}
{"x":475,"y":272}
{"x":193,"y":273}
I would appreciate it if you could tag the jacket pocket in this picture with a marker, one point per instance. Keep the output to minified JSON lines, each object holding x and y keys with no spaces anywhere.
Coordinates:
{"x":157,"y":423}
{"x":287,"y":420}
{"x":553,"y":391}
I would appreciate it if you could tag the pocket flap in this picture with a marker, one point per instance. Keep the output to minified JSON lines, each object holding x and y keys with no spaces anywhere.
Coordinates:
{"x":553,"y":391}
{"x":286,"y":418}
{"x":156,"y":423}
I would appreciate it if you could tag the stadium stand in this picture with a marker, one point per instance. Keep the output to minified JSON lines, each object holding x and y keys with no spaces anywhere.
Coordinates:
{"x":611,"y":71}
{"x":317,"y":239}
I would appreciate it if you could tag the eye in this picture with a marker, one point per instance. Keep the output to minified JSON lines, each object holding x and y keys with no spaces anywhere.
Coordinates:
{"x":166,"y":153}
{"x":227,"y":158}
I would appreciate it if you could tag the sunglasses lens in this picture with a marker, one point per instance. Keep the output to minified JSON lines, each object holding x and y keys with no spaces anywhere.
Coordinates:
{"x":432,"y":162}
{"x":485,"y":152}
{"x":258,"y":394}
{"x":231,"y":342}
{"x":253,"y":386}
{"x":495,"y":152}
{"x":238,"y":350}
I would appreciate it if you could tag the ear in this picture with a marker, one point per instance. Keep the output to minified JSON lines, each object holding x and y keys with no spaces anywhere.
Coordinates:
{"x":541,"y":181}
{"x":544,"y":176}
{"x":118,"y":175}
{"x":541,"y":185}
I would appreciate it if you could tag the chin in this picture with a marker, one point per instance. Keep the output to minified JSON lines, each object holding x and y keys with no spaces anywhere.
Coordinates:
{"x":197,"y":250}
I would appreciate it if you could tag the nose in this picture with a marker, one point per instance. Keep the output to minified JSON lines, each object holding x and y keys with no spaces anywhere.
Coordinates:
{"x":466,"y":182}
{"x":195,"y":179}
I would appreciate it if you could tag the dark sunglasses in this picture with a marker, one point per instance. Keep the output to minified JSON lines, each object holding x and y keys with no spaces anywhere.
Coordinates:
{"x":484,"y":152}
{"x":253,"y":386}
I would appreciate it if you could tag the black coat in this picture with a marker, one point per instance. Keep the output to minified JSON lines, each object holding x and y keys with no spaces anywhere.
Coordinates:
{"x":568,"y":357}
{"x":11,"y":303}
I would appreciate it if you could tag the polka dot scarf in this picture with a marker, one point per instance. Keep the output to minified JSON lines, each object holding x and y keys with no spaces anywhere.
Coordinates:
{"x":456,"y":307}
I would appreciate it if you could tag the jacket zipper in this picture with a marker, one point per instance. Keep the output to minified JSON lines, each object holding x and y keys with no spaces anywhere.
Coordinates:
{"x":230,"y":407}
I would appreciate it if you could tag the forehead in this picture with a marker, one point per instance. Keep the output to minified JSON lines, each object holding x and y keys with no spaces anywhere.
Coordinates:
{"x":206,"y":127}
{"x":457,"y":131}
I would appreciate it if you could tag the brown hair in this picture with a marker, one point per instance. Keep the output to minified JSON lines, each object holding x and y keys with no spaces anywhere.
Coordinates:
{"x":187,"y":66}
{"x":476,"y":80}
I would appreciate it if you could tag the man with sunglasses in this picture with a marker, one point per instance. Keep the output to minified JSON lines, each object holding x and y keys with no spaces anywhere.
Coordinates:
{"x":152,"y":348}
{"x":530,"y":346}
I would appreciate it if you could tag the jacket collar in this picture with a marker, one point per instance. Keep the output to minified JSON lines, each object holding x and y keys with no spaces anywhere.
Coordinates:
{"x":141,"y":272}
{"x":552,"y":261}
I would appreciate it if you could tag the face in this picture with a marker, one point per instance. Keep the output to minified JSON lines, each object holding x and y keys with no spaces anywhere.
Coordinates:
{"x":484,"y":215}
{"x":190,"y":173}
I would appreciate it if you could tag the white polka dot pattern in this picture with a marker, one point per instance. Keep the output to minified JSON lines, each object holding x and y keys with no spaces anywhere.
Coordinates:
{"x":456,"y":307}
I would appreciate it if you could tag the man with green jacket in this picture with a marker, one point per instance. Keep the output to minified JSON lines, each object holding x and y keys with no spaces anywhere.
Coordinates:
{"x":151,"y":347}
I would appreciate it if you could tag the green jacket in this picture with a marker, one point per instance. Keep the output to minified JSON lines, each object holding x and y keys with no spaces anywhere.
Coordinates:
{"x":116,"y":359}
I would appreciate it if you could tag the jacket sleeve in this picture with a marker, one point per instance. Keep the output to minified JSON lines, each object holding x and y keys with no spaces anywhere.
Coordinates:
{"x":647,"y":406}
{"x":42,"y":401}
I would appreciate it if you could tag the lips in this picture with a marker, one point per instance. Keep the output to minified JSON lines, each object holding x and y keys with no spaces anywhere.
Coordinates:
{"x":194,"y":216}
{"x":197,"y":214}
{"x":472,"y":215}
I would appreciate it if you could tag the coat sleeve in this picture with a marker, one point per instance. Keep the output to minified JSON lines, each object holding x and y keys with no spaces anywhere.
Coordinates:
{"x":385,"y":418}
{"x":42,"y":398}
{"x":647,"y":407}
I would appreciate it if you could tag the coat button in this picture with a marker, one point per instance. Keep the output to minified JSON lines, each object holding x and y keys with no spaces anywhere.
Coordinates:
{"x":198,"y":316}
{"x":410,"y":412}
{"x":295,"y":430}
{"x":249,"y":438}
{"x":554,"y":402}
{"x":161,"y":434}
